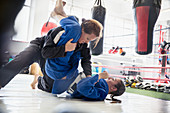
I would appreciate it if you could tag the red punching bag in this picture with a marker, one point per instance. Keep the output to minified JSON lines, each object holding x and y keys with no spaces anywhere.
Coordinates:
{"x":46,"y":27}
{"x":146,"y":14}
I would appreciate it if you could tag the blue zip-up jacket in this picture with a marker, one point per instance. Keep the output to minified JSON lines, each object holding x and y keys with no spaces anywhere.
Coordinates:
{"x":57,"y":68}
{"x":91,"y":88}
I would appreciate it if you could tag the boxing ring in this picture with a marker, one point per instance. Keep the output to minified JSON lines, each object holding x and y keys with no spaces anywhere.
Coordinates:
{"x":125,"y":68}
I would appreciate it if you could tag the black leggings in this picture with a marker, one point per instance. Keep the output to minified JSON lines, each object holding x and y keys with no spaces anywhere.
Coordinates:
{"x":24,"y":59}
{"x":45,"y":83}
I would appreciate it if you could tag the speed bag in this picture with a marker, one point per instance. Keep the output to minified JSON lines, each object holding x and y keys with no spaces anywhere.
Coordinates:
{"x":146,"y":14}
{"x":98,"y":13}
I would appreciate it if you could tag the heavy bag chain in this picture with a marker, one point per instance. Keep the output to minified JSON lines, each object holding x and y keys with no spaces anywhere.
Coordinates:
{"x":98,"y":2}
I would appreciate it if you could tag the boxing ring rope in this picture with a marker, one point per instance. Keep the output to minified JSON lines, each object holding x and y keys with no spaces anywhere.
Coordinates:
{"x":120,"y":68}
{"x":139,"y":57}
{"x":122,"y":76}
{"x":134,"y":34}
{"x":135,"y":57}
{"x":144,"y":67}
{"x":118,"y":61}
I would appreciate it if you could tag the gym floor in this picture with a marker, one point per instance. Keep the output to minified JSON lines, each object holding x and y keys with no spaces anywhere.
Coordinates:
{"x":18,"y":97}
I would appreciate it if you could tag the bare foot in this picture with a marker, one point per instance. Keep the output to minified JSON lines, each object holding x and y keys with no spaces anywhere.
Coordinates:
{"x":54,"y":16}
{"x":59,"y":8}
{"x":35,"y":81}
{"x":35,"y":70}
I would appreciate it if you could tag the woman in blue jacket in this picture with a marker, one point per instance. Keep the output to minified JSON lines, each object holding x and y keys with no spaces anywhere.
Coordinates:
{"x":63,"y":48}
{"x":96,"y":87}
{"x":62,"y":71}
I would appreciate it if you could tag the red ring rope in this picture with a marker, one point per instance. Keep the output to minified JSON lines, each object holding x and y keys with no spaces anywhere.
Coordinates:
{"x":110,"y":67}
{"x":121,"y":76}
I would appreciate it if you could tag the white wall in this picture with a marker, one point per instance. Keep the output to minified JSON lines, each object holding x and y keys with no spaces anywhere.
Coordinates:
{"x":119,"y":21}
{"x":40,"y":16}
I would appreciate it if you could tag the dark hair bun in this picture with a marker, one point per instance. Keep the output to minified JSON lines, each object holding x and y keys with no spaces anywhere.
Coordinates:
{"x":83,"y":19}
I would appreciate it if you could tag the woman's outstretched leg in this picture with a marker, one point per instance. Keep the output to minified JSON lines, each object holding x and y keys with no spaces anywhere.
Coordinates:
{"x":58,"y":13}
{"x":23,"y":59}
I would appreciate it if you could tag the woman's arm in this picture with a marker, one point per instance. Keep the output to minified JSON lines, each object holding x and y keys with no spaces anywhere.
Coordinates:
{"x":50,"y":50}
{"x":93,"y":88}
{"x":86,"y":60}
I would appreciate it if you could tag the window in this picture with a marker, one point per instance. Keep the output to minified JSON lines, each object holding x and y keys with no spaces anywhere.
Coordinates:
{"x":22,"y":23}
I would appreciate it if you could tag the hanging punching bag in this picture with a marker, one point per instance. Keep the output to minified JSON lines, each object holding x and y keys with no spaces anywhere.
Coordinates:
{"x":98,"y":13}
{"x":146,"y":14}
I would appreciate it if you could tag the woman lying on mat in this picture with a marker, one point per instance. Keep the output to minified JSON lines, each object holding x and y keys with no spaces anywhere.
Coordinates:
{"x":94,"y":88}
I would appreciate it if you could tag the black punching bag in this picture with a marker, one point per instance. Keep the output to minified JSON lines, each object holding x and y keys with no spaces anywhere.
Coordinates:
{"x":98,"y":13}
{"x":146,"y":14}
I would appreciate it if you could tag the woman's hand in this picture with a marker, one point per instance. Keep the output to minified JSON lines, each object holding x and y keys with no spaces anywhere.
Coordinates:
{"x":70,"y":46}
